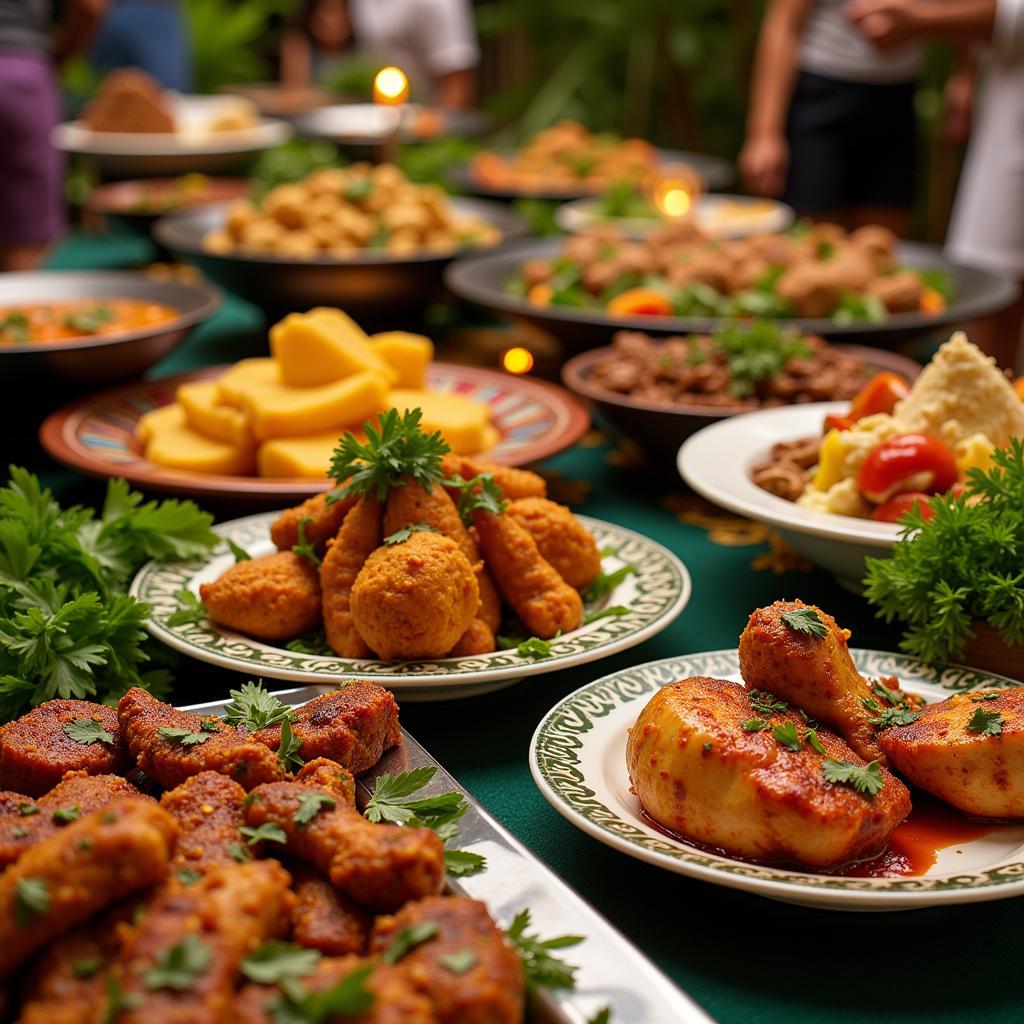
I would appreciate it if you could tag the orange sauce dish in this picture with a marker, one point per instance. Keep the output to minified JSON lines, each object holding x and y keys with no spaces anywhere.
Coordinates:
{"x":80,"y":318}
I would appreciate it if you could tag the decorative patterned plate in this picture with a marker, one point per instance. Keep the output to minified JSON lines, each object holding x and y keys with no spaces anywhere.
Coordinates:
{"x":97,"y":434}
{"x":578,"y":760}
{"x":655,"y":594}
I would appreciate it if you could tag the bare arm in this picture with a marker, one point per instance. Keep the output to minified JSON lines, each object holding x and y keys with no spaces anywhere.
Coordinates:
{"x":296,"y":60}
{"x":764,"y":159}
{"x":77,"y":28}
{"x":456,"y":90}
{"x":891,"y":23}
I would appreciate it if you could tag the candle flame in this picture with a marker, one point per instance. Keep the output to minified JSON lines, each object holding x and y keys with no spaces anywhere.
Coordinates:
{"x":390,"y":86}
{"x":517,"y":360}
{"x":673,"y":198}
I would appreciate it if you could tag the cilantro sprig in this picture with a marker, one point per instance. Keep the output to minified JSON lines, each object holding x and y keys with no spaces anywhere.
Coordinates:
{"x":806,"y":621}
{"x":253,"y":707}
{"x":275,"y":961}
{"x":542,"y":970}
{"x":32,"y":899}
{"x":87,"y":731}
{"x":985,"y":723}
{"x":402,"y":535}
{"x":180,"y":966}
{"x":865,"y":779}
{"x":348,"y":998}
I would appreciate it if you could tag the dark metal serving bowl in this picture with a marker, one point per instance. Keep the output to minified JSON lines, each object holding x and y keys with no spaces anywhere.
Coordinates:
{"x":371,"y":284}
{"x":108,"y":358}
{"x":483,"y":279}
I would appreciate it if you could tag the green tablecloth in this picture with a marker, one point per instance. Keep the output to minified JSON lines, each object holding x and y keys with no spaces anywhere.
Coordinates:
{"x":743,"y":958}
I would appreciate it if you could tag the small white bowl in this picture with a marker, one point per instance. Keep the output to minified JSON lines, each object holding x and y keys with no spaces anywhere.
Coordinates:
{"x":717,"y":461}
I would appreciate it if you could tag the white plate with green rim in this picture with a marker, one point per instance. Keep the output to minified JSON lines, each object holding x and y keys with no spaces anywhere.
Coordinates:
{"x":654,"y":595}
{"x":578,"y":760}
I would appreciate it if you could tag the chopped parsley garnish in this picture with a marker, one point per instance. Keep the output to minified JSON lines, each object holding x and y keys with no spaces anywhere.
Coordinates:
{"x":812,"y":740}
{"x":806,"y":621}
{"x":288,"y":751}
{"x":27,"y":810}
{"x":236,"y":851}
{"x":302,"y":547}
{"x":613,"y":611}
{"x":15,"y":325}
{"x":607,"y":582}
{"x":402,"y":535}
{"x":880,"y":690}
{"x":310,"y":805}
{"x":754,"y":725}
{"x":188,"y":876}
{"x":255,"y":708}
{"x":864,"y":778}
{"x":479,"y":494}
{"x":348,"y":998}
{"x":896,"y":716}
{"x":534,"y":647}
{"x":180,"y":966}
{"x":462,"y":862}
{"x":985,"y":723}
{"x":458,"y":962}
{"x":976,"y":697}
{"x":787,"y":735}
{"x":31,"y":900}
{"x":183,"y":737}
{"x":19,"y":833}
{"x":118,"y":1000}
{"x":190,"y":611}
{"x":88,"y":321}
{"x":542,"y":970}
{"x":86,"y":731}
{"x":86,"y":968}
{"x":870,"y":704}
{"x":765,"y":703}
{"x":408,"y":938}
{"x":66,"y":815}
{"x":241,"y":555}
{"x":269,"y":832}
{"x":275,"y":961}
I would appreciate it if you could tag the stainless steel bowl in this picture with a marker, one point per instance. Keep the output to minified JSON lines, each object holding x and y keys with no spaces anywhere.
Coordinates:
{"x":372,"y":284}
{"x":95,"y":360}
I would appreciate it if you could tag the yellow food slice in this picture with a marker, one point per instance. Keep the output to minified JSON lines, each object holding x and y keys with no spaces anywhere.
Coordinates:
{"x":175,"y":444}
{"x":283,"y":411}
{"x":300,"y":456}
{"x":244,"y":377}
{"x":830,"y":461}
{"x":206,"y":414}
{"x":155,"y":420}
{"x":407,"y":354}
{"x":322,"y":346}
{"x":462,"y":422}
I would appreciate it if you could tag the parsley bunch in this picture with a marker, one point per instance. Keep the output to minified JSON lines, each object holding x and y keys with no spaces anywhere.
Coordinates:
{"x":758,"y":352}
{"x":966,"y":563}
{"x":67,"y":625}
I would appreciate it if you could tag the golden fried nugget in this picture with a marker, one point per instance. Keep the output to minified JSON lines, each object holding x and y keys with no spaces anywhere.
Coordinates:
{"x":324,"y":918}
{"x":514,"y":483}
{"x":478,"y":639}
{"x":358,"y":537}
{"x":563,"y":541}
{"x":323,"y":773}
{"x":327,"y":517}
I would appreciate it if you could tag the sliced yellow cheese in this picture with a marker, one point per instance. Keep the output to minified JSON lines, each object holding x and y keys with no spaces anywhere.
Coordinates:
{"x":244,"y":377}
{"x":173,"y":443}
{"x":463,"y":423}
{"x":322,"y":346}
{"x":283,"y":411}
{"x":206,"y":414}
{"x":408,"y":355}
{"x":300,"y":456}
{"x":156,"y":420}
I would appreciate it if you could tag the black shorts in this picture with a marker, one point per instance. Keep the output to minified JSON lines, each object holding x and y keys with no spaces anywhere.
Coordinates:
{"x":851,"y":144}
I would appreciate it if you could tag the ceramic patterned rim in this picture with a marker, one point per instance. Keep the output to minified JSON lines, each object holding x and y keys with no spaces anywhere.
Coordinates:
{"x":654,"y":595}
{"x":557,"y":770}
{"x":97,"y":434}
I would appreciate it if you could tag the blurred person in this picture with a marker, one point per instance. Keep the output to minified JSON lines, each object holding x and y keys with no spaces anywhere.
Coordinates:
{"x":149,"y":34}
{"x":987,"y":226}
{"x":31,"y":168}
{"x":432,"y":41}
{"x":831,"y":127}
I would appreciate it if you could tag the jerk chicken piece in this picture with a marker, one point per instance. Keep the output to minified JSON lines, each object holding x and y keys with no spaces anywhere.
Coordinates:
{"x":154,"y":733}
{"x":271,"y":598}
{"x":814,"y":672}
{"x":491,"y":989}
{"x":352,"y":725}
{"x":323,"y":521}
{"x":208,"y":810}
{"x":76,"y":794}
{"x":36,"y":750}
{"x":222,"y":917}
{"x":968,"y":750}
{"x":379,"y":866}
{"x":324,"y":918}
{"x":395,"y":999}
{"x":563,"y":541}
{"x":711,"y":765}
{"x":324,"y":773}
{"x":93,"y":862}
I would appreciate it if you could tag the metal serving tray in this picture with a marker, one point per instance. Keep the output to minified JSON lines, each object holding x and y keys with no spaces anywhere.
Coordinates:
{"x":612,"y":971}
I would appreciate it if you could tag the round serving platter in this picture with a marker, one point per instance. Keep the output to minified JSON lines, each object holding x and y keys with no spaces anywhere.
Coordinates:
{"x":97,"y":434}
{"x":654,"y":595}
{"x":578,"y":760}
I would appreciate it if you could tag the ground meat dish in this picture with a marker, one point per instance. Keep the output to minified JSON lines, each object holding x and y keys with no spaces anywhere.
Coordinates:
{"x":789,"y":469}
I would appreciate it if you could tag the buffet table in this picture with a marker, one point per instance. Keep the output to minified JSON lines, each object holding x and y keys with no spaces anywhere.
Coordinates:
{"x":741,"y":957}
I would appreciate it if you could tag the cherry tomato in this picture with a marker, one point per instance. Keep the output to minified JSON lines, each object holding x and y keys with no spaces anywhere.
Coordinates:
{"x":908,"y":462}
{"x":835,"y":422}
{"x":892,"y":511}
{"x":880,"y":394}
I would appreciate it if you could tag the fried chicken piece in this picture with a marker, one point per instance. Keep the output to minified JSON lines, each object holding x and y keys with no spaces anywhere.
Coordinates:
{"x":414,"y":599}
{"x":815,"y":673}
{"x":93,"y":862}
{"x":352,"y":725}
{"x":478,"y":639}
{"x":358,"y":538}
{"x":170,"y":762}
{"x":324,"y":918}
{"x":492,"y":989}
{"x":323,"y":773}
{"x":35,"y":751}
{"x":271,"y":598}
{"x":899,"y":292}
{"x":379,"y":866}
{"x":544,"y":602}
{"x":698,"y":772}
{"x":230,"y":912}
{"x":958,"y":751}
{"x":812,"y":288}
{"x":324,"y":521}
{"x":410,"y":505}
{"x":76,"y":794}
{"x":514,"y":483}
{"x":563,"y":541}
{"x":395,"y":1000}
{"x":208,"y":810}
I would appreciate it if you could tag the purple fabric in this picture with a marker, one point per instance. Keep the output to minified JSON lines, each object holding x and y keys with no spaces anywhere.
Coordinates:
{"x":31,"y":168}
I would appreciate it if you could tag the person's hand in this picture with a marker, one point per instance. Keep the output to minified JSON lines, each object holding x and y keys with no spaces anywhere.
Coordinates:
{"x":763,"y":163}
{"x":959,"y":98}
{"x":887,"y":24}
